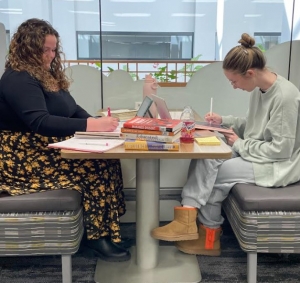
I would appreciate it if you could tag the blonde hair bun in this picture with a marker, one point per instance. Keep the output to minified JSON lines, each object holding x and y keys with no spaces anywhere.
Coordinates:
{"x":247,"y":41}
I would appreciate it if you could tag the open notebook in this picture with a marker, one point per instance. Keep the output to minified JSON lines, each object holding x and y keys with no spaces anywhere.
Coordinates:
{"x":88,"y":145}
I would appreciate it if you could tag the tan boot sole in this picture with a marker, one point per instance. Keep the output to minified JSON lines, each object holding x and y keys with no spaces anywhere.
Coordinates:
{"x":186,"y":237}
{"x":199,"y":251}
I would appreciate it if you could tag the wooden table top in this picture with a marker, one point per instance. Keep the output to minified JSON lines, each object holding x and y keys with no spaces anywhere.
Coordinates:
{"x":186,"y":151}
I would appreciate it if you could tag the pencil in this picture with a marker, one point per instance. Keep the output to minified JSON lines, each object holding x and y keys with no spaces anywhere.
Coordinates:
{"x":211,"y":106}
{"x":108,"y":112}
{"x":90,"y":143}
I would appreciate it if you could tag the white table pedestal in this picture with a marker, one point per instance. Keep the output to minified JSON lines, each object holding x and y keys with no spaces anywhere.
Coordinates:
{"x":150,"y":263}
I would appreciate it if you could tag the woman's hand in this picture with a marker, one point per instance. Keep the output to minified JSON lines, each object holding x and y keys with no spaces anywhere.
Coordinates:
{"x":230,"y":138}
{"x":214,"y":118}
{"x":103,"y":124}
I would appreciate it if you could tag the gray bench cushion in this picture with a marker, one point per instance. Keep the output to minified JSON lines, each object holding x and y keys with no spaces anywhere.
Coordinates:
{"x":255,"y":198}
{"x":54,"y":200}
{"x":264,"y":231}
{"x":40,"y":233}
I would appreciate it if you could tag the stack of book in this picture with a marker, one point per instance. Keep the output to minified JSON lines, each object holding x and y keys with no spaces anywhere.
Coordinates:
{"x":142,"y":133}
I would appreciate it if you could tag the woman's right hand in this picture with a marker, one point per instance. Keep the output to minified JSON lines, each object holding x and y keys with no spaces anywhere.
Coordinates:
{"x":214,"y":118}
{"x":103,"y":124}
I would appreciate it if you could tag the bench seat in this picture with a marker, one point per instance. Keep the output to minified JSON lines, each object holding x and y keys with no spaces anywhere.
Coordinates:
{"x":264,"y":220}
{"x":44,"y":223}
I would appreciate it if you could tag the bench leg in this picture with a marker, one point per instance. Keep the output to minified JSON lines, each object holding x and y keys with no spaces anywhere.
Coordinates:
{"x":251,"y":267}
{"x":66,"y":262}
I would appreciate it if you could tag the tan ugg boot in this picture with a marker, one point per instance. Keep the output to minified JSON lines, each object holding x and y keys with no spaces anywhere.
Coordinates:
{"x":183,"y":227}
{"x":208,"y":243}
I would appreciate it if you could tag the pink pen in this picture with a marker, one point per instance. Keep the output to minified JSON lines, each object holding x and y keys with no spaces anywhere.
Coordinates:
{"x":108,"y":112}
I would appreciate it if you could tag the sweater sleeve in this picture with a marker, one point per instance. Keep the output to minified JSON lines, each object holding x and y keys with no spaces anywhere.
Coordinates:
{"x":275,"y":142}
{"x":80,"y":113}
{"x":60,"y":116}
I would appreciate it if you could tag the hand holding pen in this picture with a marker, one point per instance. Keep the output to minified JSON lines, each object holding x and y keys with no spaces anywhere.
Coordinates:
{"x":103,"y":124}
{"x":213,"y":118}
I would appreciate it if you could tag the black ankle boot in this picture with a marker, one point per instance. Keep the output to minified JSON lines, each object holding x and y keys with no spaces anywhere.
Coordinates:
{"x":105,"y":249}
{"x":125,"y":243}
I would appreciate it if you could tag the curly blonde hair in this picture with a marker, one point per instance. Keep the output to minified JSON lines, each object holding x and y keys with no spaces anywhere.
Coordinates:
{"x":26,"y":54}
{"x":245,"y":56}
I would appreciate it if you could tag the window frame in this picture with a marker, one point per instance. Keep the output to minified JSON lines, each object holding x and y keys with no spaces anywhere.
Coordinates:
{"x":257,"y":34}
{"x":191,"y":34}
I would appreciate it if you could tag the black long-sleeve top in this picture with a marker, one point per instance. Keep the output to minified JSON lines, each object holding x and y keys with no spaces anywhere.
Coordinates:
{"x":26,"y":107}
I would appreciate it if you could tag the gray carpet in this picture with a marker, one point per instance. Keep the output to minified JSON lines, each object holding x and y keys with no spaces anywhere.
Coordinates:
{"x":229,"y":267}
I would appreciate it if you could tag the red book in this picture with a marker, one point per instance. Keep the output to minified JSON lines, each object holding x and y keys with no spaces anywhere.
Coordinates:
{"x":153,"y":124}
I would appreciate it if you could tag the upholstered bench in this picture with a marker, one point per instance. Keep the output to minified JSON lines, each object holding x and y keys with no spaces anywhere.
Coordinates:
{"x":46,"y":223}
{"x":264,"y":220}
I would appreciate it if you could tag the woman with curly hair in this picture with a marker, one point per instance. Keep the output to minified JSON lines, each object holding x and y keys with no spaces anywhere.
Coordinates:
{"x":36,"y":109}
{"x":265,"y":151}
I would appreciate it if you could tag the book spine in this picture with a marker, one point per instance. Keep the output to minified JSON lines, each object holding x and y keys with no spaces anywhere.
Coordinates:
{"x":148,"y":127}
{"x":140,"y":145}
{"x":147,"y":132}
{"x":157,"y":138}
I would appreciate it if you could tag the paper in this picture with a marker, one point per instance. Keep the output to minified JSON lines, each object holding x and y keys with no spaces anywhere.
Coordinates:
{"x":176,"y":114}
{"x":88,"y":145}
{"x":121,"y":114}
{"x":208,"y":141}
{"x":120,"y":111}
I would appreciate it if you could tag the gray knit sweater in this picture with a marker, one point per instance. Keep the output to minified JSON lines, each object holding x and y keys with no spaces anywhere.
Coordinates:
{"x":269,"y":136}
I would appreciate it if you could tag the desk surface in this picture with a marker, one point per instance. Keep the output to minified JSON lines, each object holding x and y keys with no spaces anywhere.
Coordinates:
{"x":186,"y":151}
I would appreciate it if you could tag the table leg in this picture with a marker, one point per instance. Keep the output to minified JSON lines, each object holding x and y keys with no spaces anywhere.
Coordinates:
{"x":150,"y":262}
{"x":147,"y":212}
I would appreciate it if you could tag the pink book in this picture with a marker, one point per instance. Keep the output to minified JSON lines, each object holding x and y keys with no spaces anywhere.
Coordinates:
{"x":212,"y":127}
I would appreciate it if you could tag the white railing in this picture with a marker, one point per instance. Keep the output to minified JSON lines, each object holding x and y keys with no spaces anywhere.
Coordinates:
{"x":171,"y":72}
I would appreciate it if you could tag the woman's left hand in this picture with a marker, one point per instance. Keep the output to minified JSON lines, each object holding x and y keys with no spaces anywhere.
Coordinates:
{"x":230,"y":138}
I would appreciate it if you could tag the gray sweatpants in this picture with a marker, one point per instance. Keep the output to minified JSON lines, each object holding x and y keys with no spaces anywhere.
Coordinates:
{"x":210,"y":181}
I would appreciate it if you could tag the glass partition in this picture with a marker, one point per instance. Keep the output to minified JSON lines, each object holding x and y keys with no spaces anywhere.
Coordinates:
{"x":158,"y":37}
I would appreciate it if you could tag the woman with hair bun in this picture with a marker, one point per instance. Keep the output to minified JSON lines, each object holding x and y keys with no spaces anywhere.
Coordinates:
{"x":265,"y":151}
{"x":36,"y":109}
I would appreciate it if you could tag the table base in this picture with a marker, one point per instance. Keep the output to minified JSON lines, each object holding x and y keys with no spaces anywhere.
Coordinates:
{"x":173,"y":266}
{"x":166,"y":208}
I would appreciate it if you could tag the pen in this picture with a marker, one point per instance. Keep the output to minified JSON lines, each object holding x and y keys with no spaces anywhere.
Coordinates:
{"x":90,"y":143}
{"x":108,"y":112}
{"x":211,"y":105}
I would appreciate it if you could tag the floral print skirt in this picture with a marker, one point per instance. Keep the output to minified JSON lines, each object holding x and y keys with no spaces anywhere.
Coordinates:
{"x":27,"y":166}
